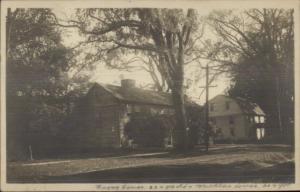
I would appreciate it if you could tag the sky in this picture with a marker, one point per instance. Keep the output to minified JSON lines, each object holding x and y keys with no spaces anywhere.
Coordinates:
{"x":102,"y":74}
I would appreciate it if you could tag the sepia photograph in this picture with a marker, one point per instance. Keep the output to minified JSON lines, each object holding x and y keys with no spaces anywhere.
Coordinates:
{"x":149,"y":95}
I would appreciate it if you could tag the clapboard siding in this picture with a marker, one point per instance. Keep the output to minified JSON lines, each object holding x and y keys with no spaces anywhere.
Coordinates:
{"x":101,"y":119}
{"x":232,"y":119}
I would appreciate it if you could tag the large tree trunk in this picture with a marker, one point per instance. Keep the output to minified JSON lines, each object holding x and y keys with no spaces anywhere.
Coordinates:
{"x":180,"y":136}
{"x":180,"y":132}
{"x":171,"y":63}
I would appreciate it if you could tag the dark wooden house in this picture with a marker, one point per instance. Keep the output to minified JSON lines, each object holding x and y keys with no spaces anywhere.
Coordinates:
{"x":108,"y":115}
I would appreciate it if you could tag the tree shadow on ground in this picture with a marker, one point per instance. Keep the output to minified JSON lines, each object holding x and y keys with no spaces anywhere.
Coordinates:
{"x":238,"y":172}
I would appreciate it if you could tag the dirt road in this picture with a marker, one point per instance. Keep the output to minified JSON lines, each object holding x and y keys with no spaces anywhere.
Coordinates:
{"x":226,"y":161}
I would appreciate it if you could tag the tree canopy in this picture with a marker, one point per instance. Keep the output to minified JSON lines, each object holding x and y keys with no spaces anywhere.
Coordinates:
{"x":37,"y":80}
{"x":257,"y":46}
{"x":37,"y":60}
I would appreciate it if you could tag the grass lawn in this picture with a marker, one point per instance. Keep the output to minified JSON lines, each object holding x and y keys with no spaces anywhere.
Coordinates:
{"x":223,"y":163}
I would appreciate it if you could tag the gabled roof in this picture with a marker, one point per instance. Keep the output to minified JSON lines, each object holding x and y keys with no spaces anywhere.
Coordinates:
{"x":245,"y":105}
{"x":138,"y":95}
{"x":249,"y":107}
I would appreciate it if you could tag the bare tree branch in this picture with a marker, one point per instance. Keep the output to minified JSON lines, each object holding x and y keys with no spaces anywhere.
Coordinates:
{"x":145,"y":47}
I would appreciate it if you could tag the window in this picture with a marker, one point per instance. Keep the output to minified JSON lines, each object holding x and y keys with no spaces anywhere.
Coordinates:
{"x":260,"y":133}
{"x":231,"y":120}
{"x":227,"y":105}
{"x":19,"y":93}
{"x":256,"y":118}
{"x":212,"y":107}
{"x":262,"y":119}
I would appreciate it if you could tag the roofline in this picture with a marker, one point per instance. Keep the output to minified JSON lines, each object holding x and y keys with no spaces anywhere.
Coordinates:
{"x":236,"y":100}
{"x":148,"y":103}
{"x":218,"y":96}
{"x":100,"y":85}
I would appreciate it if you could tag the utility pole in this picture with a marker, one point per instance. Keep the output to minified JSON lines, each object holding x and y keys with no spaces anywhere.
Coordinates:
{"x":207,"y":86}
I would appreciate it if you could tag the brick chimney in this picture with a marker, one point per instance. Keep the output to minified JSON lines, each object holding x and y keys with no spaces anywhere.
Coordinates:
{"x":127,"y":83}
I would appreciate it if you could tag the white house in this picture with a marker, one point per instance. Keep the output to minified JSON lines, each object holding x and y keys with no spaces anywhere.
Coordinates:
{"x":236,"y":119}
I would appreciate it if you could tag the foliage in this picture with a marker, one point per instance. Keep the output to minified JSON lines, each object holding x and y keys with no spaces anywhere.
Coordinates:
{"x":37,"y":61}
{"x":46,"y":117}
{"x":147,"y":131}
{"x":257,"y":46}
{"x":37,"y":81}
